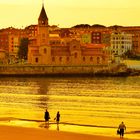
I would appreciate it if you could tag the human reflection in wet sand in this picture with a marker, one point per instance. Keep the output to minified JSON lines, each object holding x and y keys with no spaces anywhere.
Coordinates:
{"x":46,"y":125}
{"x":57,"y":127}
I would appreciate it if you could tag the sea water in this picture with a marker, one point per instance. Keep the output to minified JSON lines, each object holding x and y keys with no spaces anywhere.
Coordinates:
{"x":90,"y":105}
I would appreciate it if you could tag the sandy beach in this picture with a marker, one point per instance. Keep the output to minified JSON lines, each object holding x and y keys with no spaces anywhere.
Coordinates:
{"x":22,"y":133}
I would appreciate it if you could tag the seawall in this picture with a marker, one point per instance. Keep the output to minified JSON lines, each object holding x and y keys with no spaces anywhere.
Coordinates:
{"x":19,"y":70}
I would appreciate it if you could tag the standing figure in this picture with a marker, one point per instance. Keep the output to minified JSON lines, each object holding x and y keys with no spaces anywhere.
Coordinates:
{"x":122,"y":127}
{"x":47,"y":116}
{"x":57,"y":118}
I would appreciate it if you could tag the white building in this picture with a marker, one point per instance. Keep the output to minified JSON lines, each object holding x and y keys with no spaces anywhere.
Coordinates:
{"x":120,"y":44}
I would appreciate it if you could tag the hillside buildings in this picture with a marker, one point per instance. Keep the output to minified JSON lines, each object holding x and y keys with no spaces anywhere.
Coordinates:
{"x":51,"y":45}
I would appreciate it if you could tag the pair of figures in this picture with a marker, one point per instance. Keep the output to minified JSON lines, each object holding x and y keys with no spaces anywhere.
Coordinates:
{"x":47,"y":117}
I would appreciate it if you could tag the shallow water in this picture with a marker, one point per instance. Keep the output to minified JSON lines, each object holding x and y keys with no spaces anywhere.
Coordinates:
{"x":93,"y":105}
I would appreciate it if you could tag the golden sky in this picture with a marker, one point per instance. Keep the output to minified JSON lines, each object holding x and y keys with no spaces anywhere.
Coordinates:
{"x":67,"y":13}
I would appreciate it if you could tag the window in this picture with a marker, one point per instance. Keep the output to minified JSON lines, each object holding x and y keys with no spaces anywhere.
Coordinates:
{"x":91,"y":58}
{"x":98,"y":60}
{"x":53,"y":59}
{"x":84,"y":59}
{"x":75,"y":55}
{"x":60,"y":59}
{"x":43,"y":35}
{"x":67,"y":59}
{"x":36,"y":59}
{"x":43,"y":40}
{"x":103,"y":58}
{"x":45,"y":50}
{"x":43,"y":22}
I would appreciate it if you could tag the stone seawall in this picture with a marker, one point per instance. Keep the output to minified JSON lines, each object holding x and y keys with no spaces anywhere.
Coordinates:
{"x":58,"y":70}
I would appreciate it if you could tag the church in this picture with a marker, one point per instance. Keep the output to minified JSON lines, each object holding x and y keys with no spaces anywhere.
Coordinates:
{"x":69,"y":52}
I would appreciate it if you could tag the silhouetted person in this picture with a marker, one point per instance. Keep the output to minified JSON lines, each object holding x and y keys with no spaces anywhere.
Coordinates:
{"x":122,"y":128}
{"x":57,"y":118}
{"x":47,"y":116}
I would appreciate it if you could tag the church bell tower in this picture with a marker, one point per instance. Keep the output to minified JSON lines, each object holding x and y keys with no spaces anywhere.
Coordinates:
{"x":43,"y":37}
{"x":43,"y":27}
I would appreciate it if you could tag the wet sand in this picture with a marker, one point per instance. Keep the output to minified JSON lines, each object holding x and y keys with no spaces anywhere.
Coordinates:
{"x":22,"y":133}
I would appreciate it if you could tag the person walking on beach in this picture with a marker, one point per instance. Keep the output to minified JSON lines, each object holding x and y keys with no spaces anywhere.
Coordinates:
{"x":57,"y":118}
{"x":122,"y":128}
{"x":47,"y":116}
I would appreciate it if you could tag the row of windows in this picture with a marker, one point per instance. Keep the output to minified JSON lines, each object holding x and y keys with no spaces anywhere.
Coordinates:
{"x":96,"y":41}
{"x":3,"y":40}
{"x":117,"y":47}
{"x":55,"y":42}
{"x":121,"y":42}
{"x":121,"y":38}
{"x":96,"y":34}
{"x":96,"y":37}
{"x":117,"y":52}
{"x":68,"y":59}
{"x":120,"y":46}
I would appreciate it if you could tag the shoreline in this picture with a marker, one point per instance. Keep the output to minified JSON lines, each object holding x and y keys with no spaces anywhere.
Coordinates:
{"x":93,"y":130}
{"x":22,"y":133}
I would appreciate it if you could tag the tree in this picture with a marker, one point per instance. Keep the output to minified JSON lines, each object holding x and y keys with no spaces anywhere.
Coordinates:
{"x":23,"y":48}
{"x":82,"y":26}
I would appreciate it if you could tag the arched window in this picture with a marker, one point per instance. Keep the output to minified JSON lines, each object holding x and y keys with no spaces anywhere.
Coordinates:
{"x":36,"y":59}
{"x":91,"y":58}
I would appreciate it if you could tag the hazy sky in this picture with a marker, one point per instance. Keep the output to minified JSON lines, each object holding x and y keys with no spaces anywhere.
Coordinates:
{"x":67,"y":13}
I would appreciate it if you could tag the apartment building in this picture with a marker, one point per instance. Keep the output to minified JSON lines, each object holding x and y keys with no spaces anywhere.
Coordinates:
{"x":120,"y":44}
{"x":9,"y":43}
{"x":135,"y":32}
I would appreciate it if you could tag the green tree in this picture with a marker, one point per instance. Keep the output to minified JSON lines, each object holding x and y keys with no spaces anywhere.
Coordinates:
{"x":23,"y":48}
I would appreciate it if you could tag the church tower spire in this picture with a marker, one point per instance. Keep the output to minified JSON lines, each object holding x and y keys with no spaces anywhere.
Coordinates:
{"x":43,"y":19}
{"x":43,"y":27}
